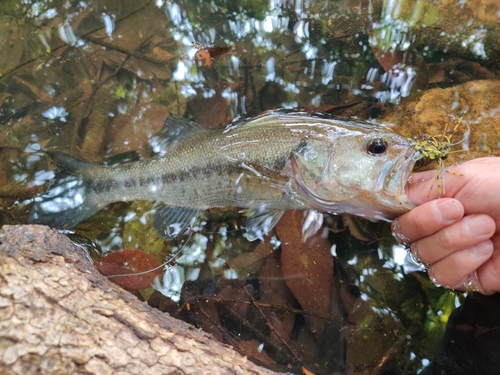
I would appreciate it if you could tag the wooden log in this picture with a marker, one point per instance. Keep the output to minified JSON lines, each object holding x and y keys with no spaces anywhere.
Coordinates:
{"x":59,"y":315}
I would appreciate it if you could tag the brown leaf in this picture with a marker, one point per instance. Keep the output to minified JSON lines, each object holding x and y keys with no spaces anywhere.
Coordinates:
{"x":131,"y":131}
{"x":39,"y":94}
{"x":251,"y":348}
{"x":388,"y":59}
{"x":133,"y":32}
{"x":205,"y":54}
{"x":160,"y":54}
{"x":147,"y":70}
{"x":238,"y":296}
{"x":128,"y":262}
{"x":439,"y":76}
{"x":10,"y":43}
{"x":246,"y":264}
{"x":102,"y":64}
{"x":204,"y":57}
{"x":306,"y":344}
{"x":3,"y":97}
{"x":96,"y":129}
{"x":218,"y":51}
{"x":265,"y":248}
{"x":212,"y":112}
{"x":307,"y":268}
{"x":274,"y":291}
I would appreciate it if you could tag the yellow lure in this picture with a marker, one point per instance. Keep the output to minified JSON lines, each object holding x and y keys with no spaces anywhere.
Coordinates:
{"x":438,"y":148}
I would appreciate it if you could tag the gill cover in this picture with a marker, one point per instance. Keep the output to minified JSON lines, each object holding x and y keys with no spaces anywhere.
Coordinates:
{"x":312,"y":166}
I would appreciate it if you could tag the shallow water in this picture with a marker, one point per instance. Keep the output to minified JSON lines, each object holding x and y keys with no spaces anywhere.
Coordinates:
{"x":97,"y":79}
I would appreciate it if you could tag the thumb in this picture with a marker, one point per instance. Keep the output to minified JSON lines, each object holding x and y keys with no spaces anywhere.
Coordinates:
{"x":424,"y":186}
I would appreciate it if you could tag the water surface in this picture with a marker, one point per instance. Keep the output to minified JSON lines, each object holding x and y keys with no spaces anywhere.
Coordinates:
{"x":97,"y":79}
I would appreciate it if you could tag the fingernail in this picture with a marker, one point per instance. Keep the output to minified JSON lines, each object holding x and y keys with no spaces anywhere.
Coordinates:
{"x":416,"y":257}
{"x":450,"y":210}
{"x":477,"y":225}
{"x":483,"y":249}
{"x":398,"y":234}
{"x":430,"y":272}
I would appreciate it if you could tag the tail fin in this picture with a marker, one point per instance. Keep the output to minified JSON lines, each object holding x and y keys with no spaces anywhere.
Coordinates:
{"x":66,"y":203}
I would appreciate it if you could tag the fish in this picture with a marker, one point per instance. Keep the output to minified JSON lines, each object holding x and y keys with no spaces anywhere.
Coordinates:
{"x":274,"y":162}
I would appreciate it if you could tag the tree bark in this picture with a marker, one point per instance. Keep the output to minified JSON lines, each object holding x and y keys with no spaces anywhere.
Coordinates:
{"x":59,"y":315}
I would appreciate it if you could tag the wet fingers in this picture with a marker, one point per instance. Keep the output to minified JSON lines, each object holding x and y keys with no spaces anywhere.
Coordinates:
{"x":489,"y":273}
{"x":465,"y":234}
{"x":427,"y":219}
{"x":459,"y":270}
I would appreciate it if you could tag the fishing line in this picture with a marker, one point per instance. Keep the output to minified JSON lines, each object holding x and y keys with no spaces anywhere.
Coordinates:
{"x":171,"y":259}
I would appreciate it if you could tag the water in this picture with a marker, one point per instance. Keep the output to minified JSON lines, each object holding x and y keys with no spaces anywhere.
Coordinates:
{"x":98,"y":78}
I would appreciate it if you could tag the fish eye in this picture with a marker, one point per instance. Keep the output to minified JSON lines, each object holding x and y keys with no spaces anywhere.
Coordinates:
{"x":377,"y":146}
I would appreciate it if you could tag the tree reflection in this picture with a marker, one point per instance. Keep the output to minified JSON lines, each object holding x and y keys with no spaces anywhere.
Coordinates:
{"x":98,"y":78}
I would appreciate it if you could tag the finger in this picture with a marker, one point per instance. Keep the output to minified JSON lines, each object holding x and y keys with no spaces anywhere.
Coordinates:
{"x":454,"y":271}
{"x":468,"y":232}
{"x":420,"y":185}
{"x":424,"y":186}
{"x":428,"y":219}
{"x":489,"y":273}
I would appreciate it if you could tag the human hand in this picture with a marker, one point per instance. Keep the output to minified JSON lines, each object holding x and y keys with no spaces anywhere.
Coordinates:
{"x":458,"y":236}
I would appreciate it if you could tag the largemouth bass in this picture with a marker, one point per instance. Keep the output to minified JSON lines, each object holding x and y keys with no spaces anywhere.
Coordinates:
{"x":272,"y":163}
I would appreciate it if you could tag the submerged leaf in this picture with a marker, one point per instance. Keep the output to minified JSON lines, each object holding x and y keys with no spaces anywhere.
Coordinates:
{"x":4,"y":96}
{"x":307,"y":268}
{"x":274,"y":291}
{"x":204,"y":57}
{"x":128,"y":262}
{"x":206,"y":54}
{"x":213,"y":112}
{"x":246,"y":264}
{"x":251,"y":349}
{"x":132,"y":130}
{"x":10,"y":43}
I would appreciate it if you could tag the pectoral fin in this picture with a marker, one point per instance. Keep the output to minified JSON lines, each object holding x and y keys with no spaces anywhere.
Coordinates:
{"x":259,"y":223}
{"x":169,"y":222}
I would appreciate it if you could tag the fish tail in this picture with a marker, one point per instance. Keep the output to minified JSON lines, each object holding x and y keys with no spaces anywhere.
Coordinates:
{"x":69,"y":199}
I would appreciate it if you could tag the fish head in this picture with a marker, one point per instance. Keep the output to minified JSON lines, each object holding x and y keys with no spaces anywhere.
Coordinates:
{"x":358,"y":173}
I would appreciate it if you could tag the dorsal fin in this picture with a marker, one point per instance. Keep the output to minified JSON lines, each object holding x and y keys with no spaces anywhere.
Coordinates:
{"x":174,"y":130}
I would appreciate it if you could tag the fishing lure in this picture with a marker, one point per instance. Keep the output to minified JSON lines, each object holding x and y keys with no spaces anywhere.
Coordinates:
{"x":438,"y":148}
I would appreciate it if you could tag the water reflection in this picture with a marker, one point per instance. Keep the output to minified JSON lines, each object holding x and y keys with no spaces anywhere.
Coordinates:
{"x":98,"y":78}
{"x":183,"y":265}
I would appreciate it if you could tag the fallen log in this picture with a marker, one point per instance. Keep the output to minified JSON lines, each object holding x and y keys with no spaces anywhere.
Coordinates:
{"x":59,"y":315}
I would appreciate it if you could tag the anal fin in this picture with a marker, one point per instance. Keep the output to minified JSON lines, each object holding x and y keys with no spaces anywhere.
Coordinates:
{"x":169,"y":221}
